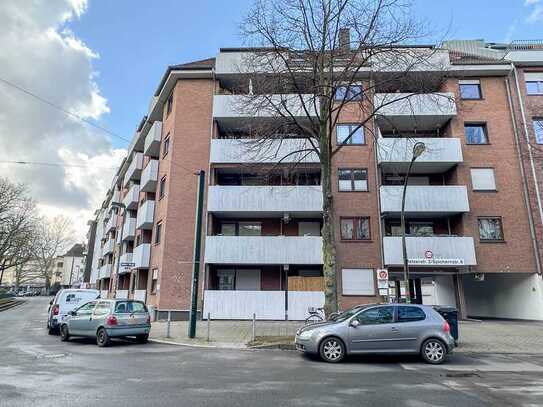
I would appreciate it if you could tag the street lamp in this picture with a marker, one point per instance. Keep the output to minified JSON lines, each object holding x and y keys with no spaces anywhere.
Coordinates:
{"x":418,"y":149}
{"x":122,"y":206}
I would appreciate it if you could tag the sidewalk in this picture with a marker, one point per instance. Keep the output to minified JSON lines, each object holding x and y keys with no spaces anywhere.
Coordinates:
{"x":489,"y":336}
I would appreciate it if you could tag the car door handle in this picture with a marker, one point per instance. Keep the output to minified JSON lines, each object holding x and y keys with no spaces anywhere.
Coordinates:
{"x":394,"y":329}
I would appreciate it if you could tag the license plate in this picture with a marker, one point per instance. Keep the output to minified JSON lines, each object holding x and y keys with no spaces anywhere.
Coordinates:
{"x":133,"y":321}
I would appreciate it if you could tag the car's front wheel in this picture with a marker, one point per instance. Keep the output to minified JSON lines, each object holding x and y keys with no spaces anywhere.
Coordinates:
{"x":332,"y":350}
{"x":433,"y":351}
{"x":64,"y":333}
{"x":102,"y":338}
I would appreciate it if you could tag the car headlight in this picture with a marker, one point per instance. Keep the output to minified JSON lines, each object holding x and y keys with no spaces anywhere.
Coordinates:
{"x":305,"y":335}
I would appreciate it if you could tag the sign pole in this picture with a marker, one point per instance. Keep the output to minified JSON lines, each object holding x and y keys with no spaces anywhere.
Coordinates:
{"x":196,"y":253}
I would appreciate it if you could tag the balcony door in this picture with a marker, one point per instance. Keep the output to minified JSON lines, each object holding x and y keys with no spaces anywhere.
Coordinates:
{"x":248,"y":279}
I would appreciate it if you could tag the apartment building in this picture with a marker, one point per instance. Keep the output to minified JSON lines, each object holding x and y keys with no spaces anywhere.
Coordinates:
{"x":473,"y":203}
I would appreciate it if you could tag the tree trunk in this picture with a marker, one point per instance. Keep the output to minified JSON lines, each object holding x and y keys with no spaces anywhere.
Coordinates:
{"x":328,"y":235}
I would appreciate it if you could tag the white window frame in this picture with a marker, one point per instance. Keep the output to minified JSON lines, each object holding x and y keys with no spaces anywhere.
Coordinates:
{"x":358,"y":282}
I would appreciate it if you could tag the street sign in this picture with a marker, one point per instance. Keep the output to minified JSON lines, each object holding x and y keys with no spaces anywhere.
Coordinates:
{"x":128,"y":264}
{"x":382,"y":281}
{"x":382,"y":274}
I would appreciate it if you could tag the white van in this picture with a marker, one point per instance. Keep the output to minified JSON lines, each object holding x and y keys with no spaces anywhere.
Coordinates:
{"x":65,"y":301}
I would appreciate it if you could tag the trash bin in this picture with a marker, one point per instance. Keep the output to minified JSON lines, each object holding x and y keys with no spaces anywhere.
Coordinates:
{"x":450,"y":314}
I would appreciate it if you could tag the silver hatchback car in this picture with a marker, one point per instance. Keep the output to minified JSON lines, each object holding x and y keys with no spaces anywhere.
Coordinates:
{"x":104,"y":319}
{"x":379,"y":328}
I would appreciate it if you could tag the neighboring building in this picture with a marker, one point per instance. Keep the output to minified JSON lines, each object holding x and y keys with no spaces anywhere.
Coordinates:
{"x":474,"y":217}
{"x":58,"y":271}
{"x":91,"y":243}
{"x":26,"y":277}
{"x":73,"y":266}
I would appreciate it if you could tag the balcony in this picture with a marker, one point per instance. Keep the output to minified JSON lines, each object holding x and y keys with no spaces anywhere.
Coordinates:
{"x":245,"y":151}
{"x":263,"y":250}
{"x":108,"y":246}
{"x":111,"y":224}
{"x":425,"y":200}
{"x":440,"y":155}
{"x":152,"y":140}
{"x":238,"y":111}
{"x":105,"y":271}
{"x":149,"y":176}
{"x":132,"y":197}
{"x":141,"y":256}
{"x":133,"y":172}
{"x":453,"y":251}
{"x":146,"y":214}
{"x":406,"y":111}
{"x":116,"y":197}
{"x":265,"y":200}
{"x":126,"y":258}
{"x":129,"y":229}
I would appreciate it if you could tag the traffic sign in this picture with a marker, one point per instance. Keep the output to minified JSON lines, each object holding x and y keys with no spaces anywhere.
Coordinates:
{"x":382,"y":274}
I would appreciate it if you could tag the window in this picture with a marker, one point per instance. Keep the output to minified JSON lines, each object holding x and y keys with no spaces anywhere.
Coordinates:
{"x":154,"y":282}
{"x":162,"y":187}
{"x":250,"y":228}
{"x":476,"y":133}
{"x":357,"y":282}
{"x":129,"y":307}
{"x":470,"y":89}
{"x":421,"y":228}
{"x":376,"y":316}
{"x":166,"y":146}
{"x":86,"y":309}
{"x":355,"y":228}
{"x":410,"y":314}
{"x":534,"y":83}
{"x":490,"y":229}
{"x":348,"y":93}
{"x":309,"y":228}
{"x":353,"y":179}
{"x":169,"y":104}
{"x":228,"y":229}
{"x":103,"y":308}
{"x":538,"y":130}
{"x":226,"y":279}
{"x":483,"y":179}
{"x":158,"y":232}
{"x":344,"y":130}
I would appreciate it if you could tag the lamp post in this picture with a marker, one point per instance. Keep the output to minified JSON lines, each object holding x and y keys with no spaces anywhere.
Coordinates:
{"x":418,"y":149}
{"x":123,"y":207}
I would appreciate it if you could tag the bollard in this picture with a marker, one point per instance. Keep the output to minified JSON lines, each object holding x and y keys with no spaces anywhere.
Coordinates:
{"x":254,"y":327}
{"x":208,"y":324}
{"x":168,"y":324}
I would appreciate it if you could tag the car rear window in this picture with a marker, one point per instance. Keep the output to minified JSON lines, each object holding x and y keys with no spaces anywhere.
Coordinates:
{"x":410,"y":314}
{"x":130,"y":307}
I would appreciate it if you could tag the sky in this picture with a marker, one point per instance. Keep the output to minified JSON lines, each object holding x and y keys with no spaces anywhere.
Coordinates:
{"x":102,"y":60}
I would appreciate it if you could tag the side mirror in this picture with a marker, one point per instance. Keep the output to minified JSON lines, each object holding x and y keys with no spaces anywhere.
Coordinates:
{"x":354,"y":323}
{"x":51,"y":302}
{"x":73,"y":313}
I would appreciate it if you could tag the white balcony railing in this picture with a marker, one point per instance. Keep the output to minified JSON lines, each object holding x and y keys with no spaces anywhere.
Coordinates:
{"x":141,"y":256}
{"x":440,"y":154}
{"x":263,"y":250}
{"x":108,"y":247}
{"x":235,"y":110}
{"x":116,"y":197}
{"x":126,"y":261}
{"x":105,"y":271}
{"x":152,"y":140}
{"x":146,"y":214}
{"x":149,"y":176}
{"x":453,"y":251}
{"x":111,"y":223}
{"x":245,"y":151}
{"x":121,"y":294}
{"x":292,"y":199}
{"x":133,"y":172}
{"x":406,"y":111}
{"x":132,"y":197}
{"x":129,"y":229}
{"x":431,"y":200}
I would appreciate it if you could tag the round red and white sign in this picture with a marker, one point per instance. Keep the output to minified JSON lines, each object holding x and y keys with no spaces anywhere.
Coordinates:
{"x":383,"y":275}
{"x":428,"y":254}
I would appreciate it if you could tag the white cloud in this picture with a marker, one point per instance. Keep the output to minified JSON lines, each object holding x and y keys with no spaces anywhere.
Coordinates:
{"x":41,"y":54}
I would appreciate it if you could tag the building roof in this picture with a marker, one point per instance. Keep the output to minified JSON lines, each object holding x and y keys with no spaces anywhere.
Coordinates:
{"x":77,"y":250}
{"x":200,"y":65}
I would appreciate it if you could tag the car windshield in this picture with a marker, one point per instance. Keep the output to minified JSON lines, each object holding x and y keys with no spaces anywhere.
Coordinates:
{"x":349,"y":313}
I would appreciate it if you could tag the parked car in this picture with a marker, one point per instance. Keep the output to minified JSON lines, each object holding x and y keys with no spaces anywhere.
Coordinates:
{"x":65,"y":301}
{"x":379,"y":328}
{"x":106,"y":319}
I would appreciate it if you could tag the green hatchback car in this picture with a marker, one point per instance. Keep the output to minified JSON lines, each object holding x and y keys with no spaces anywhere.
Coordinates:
{"x":104,"y":319}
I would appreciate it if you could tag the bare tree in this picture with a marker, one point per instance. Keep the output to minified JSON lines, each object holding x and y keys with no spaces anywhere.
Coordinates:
{"x":313,"y":60}
{"x":54,"y":237}
{"x":17,"y":225}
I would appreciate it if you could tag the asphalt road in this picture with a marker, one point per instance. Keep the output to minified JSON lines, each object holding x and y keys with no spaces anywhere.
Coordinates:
{"x":38,"y":370}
